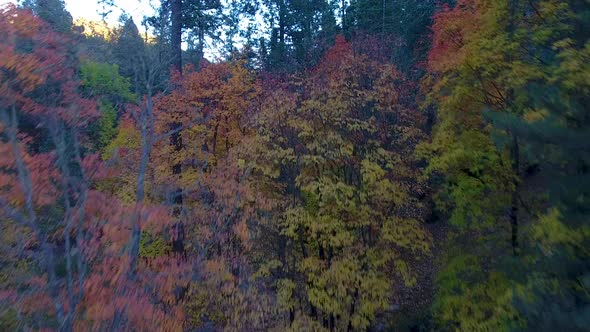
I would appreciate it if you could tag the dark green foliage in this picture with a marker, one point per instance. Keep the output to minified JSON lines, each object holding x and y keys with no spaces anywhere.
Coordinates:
{"x":404,"y":23}
{"x":127,"y":50}
{"x":301,"y":31}
{"x":53,"y":12}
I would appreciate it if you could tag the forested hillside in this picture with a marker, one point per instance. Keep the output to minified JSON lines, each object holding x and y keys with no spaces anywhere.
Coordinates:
{"x":296,"y":165}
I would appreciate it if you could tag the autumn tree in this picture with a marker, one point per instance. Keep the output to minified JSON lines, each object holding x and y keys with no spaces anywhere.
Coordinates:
{"x":351,"y":224}
{"x":43,"y":194}
{"x":81,"y":260}
{"x":502,"y":83}
{"x":225,"y":95}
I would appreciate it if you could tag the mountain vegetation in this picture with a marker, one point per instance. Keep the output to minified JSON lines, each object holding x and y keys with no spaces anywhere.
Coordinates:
{"x":354,"y":165}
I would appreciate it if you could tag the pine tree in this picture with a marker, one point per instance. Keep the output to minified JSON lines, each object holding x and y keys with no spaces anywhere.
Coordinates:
{"x":53,"y":12}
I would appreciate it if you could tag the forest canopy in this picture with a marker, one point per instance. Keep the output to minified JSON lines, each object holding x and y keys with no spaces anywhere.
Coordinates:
{"x":339,"y":165}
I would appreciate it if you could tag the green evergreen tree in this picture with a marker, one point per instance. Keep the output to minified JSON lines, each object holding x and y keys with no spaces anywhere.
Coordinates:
{"x":53,"y":12}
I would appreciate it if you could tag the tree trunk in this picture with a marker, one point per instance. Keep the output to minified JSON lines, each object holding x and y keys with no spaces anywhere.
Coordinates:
{"x":515,"y":151}
{"x":343,"y":16}
{"x":176,"y":34}
{"x":176,"y":139}
{"x":147,"y":131}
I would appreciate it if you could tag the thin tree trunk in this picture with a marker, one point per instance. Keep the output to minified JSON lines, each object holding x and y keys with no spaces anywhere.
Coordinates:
{"x":26,"y":184}
{"x":515,"y":203}
{"x":176,"y":139}
{"x":59,"y":140}
{"x":176,"y":34}
{"x":515,"y":151}
{"x":343,"y":16}
{"x":147,"y":131}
